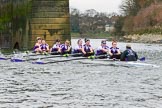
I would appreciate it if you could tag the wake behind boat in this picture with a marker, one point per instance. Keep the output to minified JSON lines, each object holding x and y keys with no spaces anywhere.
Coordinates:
{"x":111,"y":62}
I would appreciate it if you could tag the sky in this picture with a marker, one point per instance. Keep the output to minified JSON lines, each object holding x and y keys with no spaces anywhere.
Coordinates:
{"x":107,"y":6}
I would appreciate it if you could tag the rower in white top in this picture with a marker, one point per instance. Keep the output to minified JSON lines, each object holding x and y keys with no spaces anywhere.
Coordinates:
{"x":79,"y":47}
{"x":56,"y":47}
{"x":103,"y":49}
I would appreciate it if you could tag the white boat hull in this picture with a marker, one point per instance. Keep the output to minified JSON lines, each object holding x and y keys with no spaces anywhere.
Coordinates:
{"x":119,"y":63}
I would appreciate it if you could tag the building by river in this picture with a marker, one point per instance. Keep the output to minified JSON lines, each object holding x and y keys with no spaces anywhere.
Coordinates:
{"x":21,"y":21}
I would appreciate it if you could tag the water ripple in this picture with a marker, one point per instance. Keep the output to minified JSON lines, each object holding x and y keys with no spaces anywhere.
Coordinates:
{"x":83,"y":85}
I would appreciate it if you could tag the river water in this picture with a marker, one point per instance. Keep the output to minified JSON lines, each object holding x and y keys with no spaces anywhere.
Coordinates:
{"x":78,"y":85}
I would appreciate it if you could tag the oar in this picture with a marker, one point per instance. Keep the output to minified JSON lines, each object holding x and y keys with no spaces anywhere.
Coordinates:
{"x":4,"y":58}
{"x":46,"y":53}
{"x":80,"y":58}
{"x":35,"y":54}
{"x":27,"y":52}
{"x":64,"y":55}
{"x":22,"y":60}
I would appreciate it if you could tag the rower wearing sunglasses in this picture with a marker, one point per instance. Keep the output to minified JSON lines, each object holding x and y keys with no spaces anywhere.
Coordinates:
{"x":56,"y":47}
{"x":102,"y":49}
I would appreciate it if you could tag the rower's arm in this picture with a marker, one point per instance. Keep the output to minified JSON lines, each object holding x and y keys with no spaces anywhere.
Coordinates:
{"x":118,"y":52}
{"x":111,"y":54}
{"x":91,"y":49}
{"x":47,"y":47}
{"x":83,"y":51}
{"x":69,"y":48}
{"x":105,"y":50}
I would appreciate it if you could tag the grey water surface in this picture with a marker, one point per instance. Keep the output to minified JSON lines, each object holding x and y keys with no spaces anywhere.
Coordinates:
{"x":77,"y":85}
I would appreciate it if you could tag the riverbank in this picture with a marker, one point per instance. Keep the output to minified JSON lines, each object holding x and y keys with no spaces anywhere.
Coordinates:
{"x":91,"y":35}
{"x":145,"y":38}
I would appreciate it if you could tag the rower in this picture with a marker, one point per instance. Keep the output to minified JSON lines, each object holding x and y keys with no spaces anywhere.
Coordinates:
{"x":78,"y":48}
{"x":44,"y":46}
{"x":65,"y":48}
{"x":114,"y":51}
{"x":87,"y":48}
{"x":103,"y":49}
{"x":37,"y":48}
{"x":129,"y":54}
{"x":56,"y":47}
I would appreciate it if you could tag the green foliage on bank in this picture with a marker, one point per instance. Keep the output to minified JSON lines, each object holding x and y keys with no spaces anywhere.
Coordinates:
{"x":6,"y":51}
{"x":11,"y":13}
{"x":139,"y":17}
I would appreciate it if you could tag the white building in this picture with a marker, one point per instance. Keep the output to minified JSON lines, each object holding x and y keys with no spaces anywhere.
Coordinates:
{"x":109,"y":28}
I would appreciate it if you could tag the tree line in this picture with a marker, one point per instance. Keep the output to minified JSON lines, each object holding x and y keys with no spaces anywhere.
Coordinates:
{"x":141,"y":17}
{"x":137,"y":17}
{"x":91,"y":21}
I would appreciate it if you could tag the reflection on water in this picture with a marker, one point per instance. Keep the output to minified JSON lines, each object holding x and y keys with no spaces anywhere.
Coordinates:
{"x":78,"y":85}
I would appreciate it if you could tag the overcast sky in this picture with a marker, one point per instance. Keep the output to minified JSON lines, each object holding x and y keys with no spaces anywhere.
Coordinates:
{"x":107,"y":6}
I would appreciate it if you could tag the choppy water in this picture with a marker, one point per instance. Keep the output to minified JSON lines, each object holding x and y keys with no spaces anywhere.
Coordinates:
{"x":78,"y":85}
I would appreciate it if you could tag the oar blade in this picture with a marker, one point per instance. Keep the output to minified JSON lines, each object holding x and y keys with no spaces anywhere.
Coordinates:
{"x":17,"y":60}
{"x":142,"y":59}
{"x":3,"y":58}
{"x":38,"y":62}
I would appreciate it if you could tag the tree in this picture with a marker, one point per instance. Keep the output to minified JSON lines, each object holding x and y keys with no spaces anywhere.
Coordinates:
{"x":90,"y":21}
{"x":130,"y":7}
{"x":119,"y":25}
{"x":74,"y":19}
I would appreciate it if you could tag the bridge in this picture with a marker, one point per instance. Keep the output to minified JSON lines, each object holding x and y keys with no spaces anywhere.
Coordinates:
{"x":21,"y":21}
